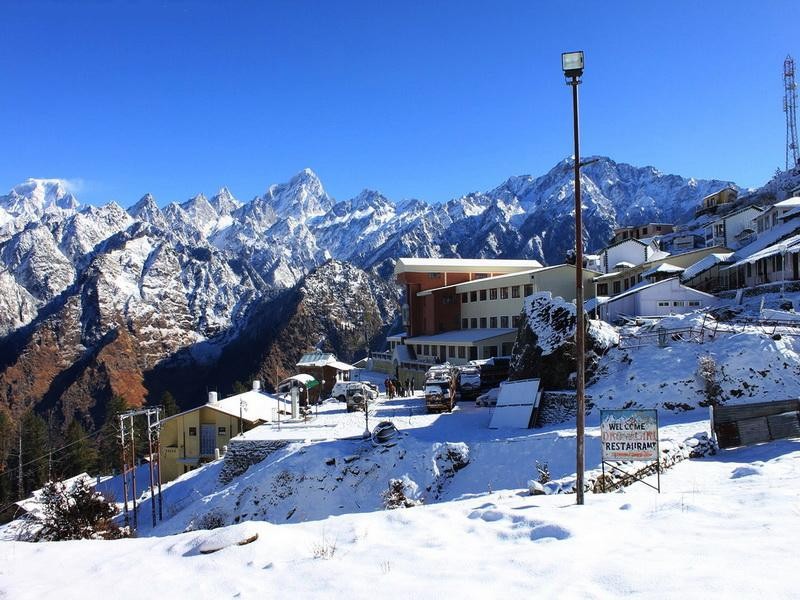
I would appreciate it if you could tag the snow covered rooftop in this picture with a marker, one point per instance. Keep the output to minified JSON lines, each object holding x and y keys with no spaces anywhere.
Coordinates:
{"x":794,"y":201}
{"x":662,"y":268}
{"x":254,"y":405}
{"x":767,"y":238}
{"x":463,"y":265}
{"x":499,"y":279}
{"x":461,"y":336}
{"x":316,"y":359}
{"x":705,"y":264}
{"x":790,"y":244}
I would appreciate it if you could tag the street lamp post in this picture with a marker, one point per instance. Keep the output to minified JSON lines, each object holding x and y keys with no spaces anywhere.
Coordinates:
{"x":572,"y":64}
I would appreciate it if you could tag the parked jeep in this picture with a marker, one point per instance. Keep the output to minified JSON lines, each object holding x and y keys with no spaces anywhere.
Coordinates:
{"x":357,"y":394}
{"x":339,"y":390}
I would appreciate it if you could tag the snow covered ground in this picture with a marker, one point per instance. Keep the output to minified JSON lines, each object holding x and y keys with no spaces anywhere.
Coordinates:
{"x":726,"y":523}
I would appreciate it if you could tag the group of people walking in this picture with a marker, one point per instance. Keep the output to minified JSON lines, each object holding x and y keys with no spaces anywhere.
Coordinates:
{"x":395,"y":387}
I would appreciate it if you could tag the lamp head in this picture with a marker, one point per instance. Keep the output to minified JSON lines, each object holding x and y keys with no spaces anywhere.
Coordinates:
{"x":572,"y":63}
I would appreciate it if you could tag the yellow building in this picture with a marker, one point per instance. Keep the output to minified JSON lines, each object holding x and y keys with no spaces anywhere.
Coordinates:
{"x":199,"y":435}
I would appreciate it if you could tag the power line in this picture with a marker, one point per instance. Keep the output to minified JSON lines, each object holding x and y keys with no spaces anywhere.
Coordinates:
{"x":43,"y":456}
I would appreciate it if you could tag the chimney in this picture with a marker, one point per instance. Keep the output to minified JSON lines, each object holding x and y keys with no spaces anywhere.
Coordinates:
{"x":212,"y":397}
{"x":256,"y":385}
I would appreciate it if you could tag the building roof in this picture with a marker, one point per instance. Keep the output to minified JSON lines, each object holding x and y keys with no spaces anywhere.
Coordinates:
{"x":643,"y":286}
{"x":704,"y":264}
{"x":463,"y":265}
{"x":465,"y":286}
{"x":768,"y":238}
{"x":255,"y":406}
{"x":790,"y":245}
{"x":662,"y":268}
{"x":619,"y":243}
{"x":461,"y":336}
{"x":727,"y":187}
{"x":788,"y":203}
{"x":316,"y":359}
{"x":613,"y":274}
{"x":733,"y":213}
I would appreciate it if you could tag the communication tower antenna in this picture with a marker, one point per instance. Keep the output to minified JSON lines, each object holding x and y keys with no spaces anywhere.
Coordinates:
{"x":790,"y":108}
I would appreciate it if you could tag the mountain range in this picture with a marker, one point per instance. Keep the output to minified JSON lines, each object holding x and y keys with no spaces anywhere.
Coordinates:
{"x":97,"y":301}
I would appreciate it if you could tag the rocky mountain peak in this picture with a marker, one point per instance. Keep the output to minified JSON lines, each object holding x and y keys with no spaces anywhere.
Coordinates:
{"x":224,"y":202}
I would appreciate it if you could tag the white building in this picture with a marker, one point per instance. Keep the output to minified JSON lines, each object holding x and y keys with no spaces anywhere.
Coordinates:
{"x":775,"y":214}
{"x":662,"y":298}
{"x":731,"y":230}
{"x":629,"y":253}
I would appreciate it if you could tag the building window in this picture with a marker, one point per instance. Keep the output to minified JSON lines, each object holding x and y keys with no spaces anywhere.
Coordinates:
{"x":663,"y":303}
{"x":462,"y":352}
{"x":434,"y":275}
{"x":483,"y":322}
{"x":678,"y":303}
{"x":749,"y":270}
{"x":515,"y":291}
{"x":602,"y":289}
{"x":504,"y":322}
{"x":473,"y":296}
{"x":222,"y":430}
{"x":480,"y":275}
{"x":515,"y":321}
{"x":473,"y":323}
{"x":192,"y":431}
{"x":426,"y":350}
{"x":493,"y":294}
{"x":493,"y":322}
{"x":464,"y":323}
{"x":616,"y":287}
{"x":464,"y":298}
{"x":528,"y":289}
{"x":482,"y":295}
{"x":693,"y":303}
{"x":451,"y":351}
{"x":504,"y":293}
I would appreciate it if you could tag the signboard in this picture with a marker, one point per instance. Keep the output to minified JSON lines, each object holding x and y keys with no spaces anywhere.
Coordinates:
{"x":629,"y":435}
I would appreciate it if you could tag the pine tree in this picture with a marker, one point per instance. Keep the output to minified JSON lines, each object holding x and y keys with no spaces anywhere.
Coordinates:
{"x":6,"y":470}
{"x":239,"y":387}
{"x":108,"y":447}
{"x":34,"y":452}
{"x":169,"y":405}
{"x":80,"y":454}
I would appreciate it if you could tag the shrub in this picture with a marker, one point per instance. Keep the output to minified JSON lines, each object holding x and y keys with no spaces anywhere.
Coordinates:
{"x":396,"y":496}
{"x":74,"y":513}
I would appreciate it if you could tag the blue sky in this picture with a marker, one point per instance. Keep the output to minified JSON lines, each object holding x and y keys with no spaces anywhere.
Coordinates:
{"x":429,"y":100}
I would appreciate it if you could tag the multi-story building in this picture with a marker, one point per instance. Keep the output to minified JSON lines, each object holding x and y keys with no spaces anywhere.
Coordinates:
{"x":776,"y":214}
{"x":476,"y":317}
{"x":712,"y":202}
{"x":734,"y":229}
{"x":648,"y":230}
{"x":619,"y":281}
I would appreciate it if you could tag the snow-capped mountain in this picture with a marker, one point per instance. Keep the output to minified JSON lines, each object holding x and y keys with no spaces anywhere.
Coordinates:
{"x":156,"y":281}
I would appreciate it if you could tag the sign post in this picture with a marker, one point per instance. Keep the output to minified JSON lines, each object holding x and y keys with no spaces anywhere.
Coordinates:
{"x":629,"y":435}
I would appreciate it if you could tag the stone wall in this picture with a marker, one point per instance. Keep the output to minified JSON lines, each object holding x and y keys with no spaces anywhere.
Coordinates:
{"x":242,"y":454}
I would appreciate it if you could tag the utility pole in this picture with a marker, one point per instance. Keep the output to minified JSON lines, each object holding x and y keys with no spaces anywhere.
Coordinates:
{"x":20,"y":486}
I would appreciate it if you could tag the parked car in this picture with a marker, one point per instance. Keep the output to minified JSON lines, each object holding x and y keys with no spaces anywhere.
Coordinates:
{"x":469,"y":382}
{"x":489,"y":398}
{"x":339,"y":390}
{"x":358,"y":394}
{"x":440,"y":388}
